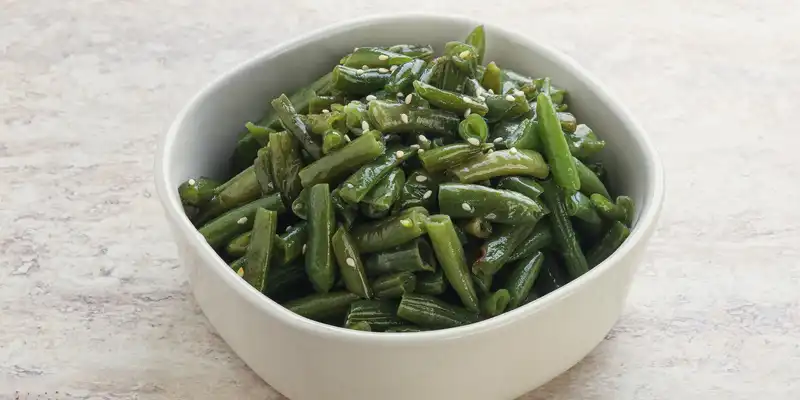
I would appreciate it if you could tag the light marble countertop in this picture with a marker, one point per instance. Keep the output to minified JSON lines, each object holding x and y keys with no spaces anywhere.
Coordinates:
{"x":93,"y":304}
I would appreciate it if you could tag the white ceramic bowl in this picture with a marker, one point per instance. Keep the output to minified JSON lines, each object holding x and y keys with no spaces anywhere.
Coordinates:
{"x":500,"y":358}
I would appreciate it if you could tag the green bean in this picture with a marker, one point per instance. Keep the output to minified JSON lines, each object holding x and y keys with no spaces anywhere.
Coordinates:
{"x":300,"y":204}
{"x":540,"y":238}
{"x":492,"y":78}
{"x":523,"y":185}
{"x":319,"y":253}
{"x":607,"y":209}
{"x":222,"y":229}
{"x":394,"y":285}
{"x":568,"y":122}
{"x":513,"y":80}
{"x":477,"y":39}
{"x":379,"y":200}
{"x":478,"y":227}
{"x":372,"y":237}
{"x":285,"y":164}
{"x":356,"y":187}
{"x":464,"y":57}
{"x":495,"y":303}
{"x":556,"y":150}
{"x":523,"y":274}
{"x":340,"y":163}
{"x":413,"y":50}
{"x":244,"y":153}
{"x":359,"y":82}
{"x":380,"y":315}
{"x":563,"y":232}
{"x":350,"y":266}
{"x":374,"y":57}
{"x":473,"y":130}
{"x":347,"y":213}
{"x":483,"y":282}
{"x":332,"y":141}
{"x":319,"y":103}
{"x":580,"y":207}
{"x":319,"y":124}
{"x":239,"y":190}
{"x":502,"y":163}
{"x":630,"y":210}
{"x":262,"y":166}
{"x":402,"y":118}
{"x":500,"y":206}
{"x":356,"y":117}
{"x":451,"y":257}
{"x":449,"y":100}
{"x":432,"y":74}
{"x":191,"y":212}
{"x":430,"y":312}
{"x":589,"y":182}
{"x":289,"y":245}
{"x":260,"y":249}
{"x":432,"y":283}
{"x":413,"y":256}
{"x":321,"y":306}
{"x":359,"y":326}
{"x":499,"y":247}
{"x":238,"y":265}
{"x":418,"y":190}
{"x":197,"y":191}
{"x":523,"y":137}
{"x":404,"y":75}
{"x":452,"y":78}
{"x":450,"y":156}
{"x":291,"y":121}
{"x":237,"y":247}
{"x":507,"y":106}
{"x":583,"y":143}
{"x":610,"y":242}
{"x":551,"y":277}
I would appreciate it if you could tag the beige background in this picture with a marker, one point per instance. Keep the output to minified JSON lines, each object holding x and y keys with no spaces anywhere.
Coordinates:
{"x":93,"y":304}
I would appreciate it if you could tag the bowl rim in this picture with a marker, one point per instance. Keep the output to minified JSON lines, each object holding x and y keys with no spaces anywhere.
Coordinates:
{"x":174,"y":211}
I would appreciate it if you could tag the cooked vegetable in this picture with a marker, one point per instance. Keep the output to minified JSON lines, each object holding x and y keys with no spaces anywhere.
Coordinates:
{"x":425,"y":192}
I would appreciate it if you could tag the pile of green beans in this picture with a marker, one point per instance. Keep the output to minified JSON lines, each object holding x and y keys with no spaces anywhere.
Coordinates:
{"x":405,"y":191}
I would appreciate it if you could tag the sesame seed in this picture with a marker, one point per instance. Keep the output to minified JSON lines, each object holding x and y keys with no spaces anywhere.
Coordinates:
{"x":491,"y":91}
{"x":422,"y":138}
{"x":427,"y":195}
{"x":242,"y":221}
{"x":359,"y":72}
{"x":365,"y":67}
{"x":240,"y":272}
{"x":513,"y":150}
{"x":349,"y":185}
{"x":466,"y":207}
{"x":466,"y":99}
{"x":383,"y":57}
{"x":490,"y":216}
{"x":498,"y":140}
{"x":490,"y":151}
{"x":473,"y":141}
{"x":392,"y":68}
{"x":519,"y":93}
{"x":409,"y":98}
{"x":404,"y":118}
{"x":383,"y":70}
{"x":406,"y":223}
{"x":400,"y":94}
{"x":467,"y":112}
{"x":399,"y":153}
{"x":414,"y":147}
{"x":364,"y":126}
{"x":421,"y":178}
{"x":304,"y":249}
{"x":464,"y":54}
{"x":421,"y":151}
{"x":325,"y":111}
{"x":288,"y":228}
{"x":509,"y":97}
{"x":347,"y":138}
{"x":192,"y":182}
{"x":371,"y":97}
{"x":351,"y":262}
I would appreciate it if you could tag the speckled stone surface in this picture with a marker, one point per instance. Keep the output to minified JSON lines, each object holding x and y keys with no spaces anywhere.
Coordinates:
{"x":93,"y":304}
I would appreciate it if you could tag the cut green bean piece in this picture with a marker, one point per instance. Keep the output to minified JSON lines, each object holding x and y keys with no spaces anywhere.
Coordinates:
{"x":320,"y":266}
{"x":580,"y":207}
{"x":583,"y":143}
{"x":499,"y":247}
{"x":356,"y":117}
{"x":551,"y":277}
{"x":568,"y":122}
{"x":483,"y":282}
{"x":350,"y":266}
{"x":610,"y":242}
{"x":495,"y":303}
{"x":432,"y":283}
{"x":394,"y":285}
{"x":527,"y":186}
{"x":501,"y":206}
{"x":478,"y":227}
{"x":450,"y":156}
{"x":238,"y":246}
{"x":260,"y":249}
{"x":419,"y":190}
{"x":374,"y":57}
{"x":413,"y":256}
{"x":556,"y":150}
{"x":477,"y":39}
{"x":346,"y":213}
{"x":590,"y":183}
{"x":473,"y":130}
{"x":322,"y":306}
{"x":338,"y":164}
{"x":432,"y":74}
{"x":403,"y":118}
{"x":450,"y":101}
{"x":502,"y":163}
{"x":333,"y":140}
{"x":356,"y":187}
{"x":300,"y":204}
{"x":285,"y":164}
{"x":540,"y":238}
{"x":464,"y":57}
{"x":359,"y":326}
{"x":563,"y":233}
{"x":359,"y":82}
{"x":509,"y":106}
{"x":525,"y":136}
{"x":630,"y":209}
{"x":262,"y":167}
{"x":424,"y":52}
{"x":390,"y":232}
{"x":450,"y":254}
{"x":492,"y":78}
{"x":291,"y":121}
{"x":239,"y":190}
{"x":289,"y":245}
{"x":222,"y":229}
{"x":197,"y":191}
{"x":607,"y":209}
{"x":380,"y":315}
{"x":523,"y":275}
{"x":430,"y":312}
{"x":380,"y":199}
{"x":404,"y":75}
{"x":322,"y":123}
{"x":238,"y":266}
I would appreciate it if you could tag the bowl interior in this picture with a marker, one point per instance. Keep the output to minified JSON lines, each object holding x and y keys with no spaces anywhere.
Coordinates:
{"x":204,"y":134}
